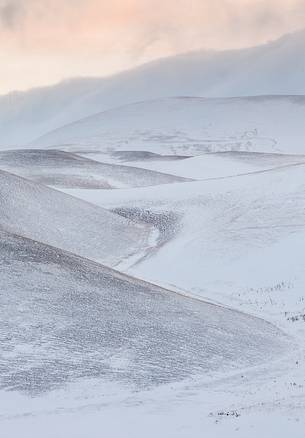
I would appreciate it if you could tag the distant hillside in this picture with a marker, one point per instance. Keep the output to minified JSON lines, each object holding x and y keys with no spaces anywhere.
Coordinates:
{"x":274,"y":68}
{"x":188,"y":126}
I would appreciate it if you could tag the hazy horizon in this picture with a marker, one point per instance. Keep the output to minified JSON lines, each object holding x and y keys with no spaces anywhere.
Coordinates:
{"x":44,"y":42}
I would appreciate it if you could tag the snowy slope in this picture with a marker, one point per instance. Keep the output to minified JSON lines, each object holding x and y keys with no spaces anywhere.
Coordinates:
{"x":274,"y":68}
{"x":69,"y":319}
{"x":84,"y":346}
{"x":66,"y":170}
{"x":189,"y":126}
{"x":217,"y":348}
{"x":46,"y":215}
{"x":223,"y":164}
{"x":237,"y":240}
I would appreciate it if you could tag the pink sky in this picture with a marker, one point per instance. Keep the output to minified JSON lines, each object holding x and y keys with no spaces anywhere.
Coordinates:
{"x":43,"y":41}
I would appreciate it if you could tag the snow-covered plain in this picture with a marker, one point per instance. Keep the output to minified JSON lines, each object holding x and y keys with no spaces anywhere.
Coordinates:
{"x":199,"y":205}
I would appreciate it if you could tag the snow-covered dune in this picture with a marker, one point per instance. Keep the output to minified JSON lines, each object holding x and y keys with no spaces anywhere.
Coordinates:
{"x":274,"y":68}
{"x":46,"y":215}
{"x":68,"y":319}
{"x":189,"y":126}
{"x":67,"y":170}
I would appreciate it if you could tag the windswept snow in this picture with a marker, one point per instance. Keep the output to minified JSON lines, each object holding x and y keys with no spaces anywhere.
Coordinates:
{"x":200,"y":330}
{"x":67,"y":318}
{"x":67,"y":170}
{"x":78,"y":336}
{"x":46,"y":215}
{"x":238,"y":237}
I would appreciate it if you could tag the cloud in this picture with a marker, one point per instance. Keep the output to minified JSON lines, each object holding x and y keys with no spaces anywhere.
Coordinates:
{"x":136,"y":25}
{"x":10,"y":13}
{"x":61,"y":38}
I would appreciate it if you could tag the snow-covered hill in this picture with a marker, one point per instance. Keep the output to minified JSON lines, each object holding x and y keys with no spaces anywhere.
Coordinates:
{"x":81,"y":320}
{"x":67,"y":170}
{"x":48,"y":216}
{"x":274,"y":68}
{"x":188,"y":126}
{"x":235,"y":239}
{"x":209,"y":205}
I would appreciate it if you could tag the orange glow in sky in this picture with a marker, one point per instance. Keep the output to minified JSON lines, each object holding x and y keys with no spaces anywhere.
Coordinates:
{"x":43,"y":41}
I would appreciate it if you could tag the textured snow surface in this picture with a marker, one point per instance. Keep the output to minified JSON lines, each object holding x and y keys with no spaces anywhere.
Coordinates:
{"x":217,"y":346}
{"x":67,"y":318}
{"x":234,"y":233}
{"x":236,"y":238}
{"x":66,"y":170}
{"x":46,"y":215}
{"x":200,"y":329}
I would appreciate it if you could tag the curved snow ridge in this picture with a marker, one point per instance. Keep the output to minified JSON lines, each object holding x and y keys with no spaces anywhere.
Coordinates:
{"x":46,"y":215}
{"x":256,"y":172}
{"x":94,"y":322}
{"x":66,"y":170}
{"x":224,"y":164}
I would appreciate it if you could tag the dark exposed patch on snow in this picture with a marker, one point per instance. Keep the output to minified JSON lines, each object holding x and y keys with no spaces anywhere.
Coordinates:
{"x":146,"y":156}
{"x":167,"y":223}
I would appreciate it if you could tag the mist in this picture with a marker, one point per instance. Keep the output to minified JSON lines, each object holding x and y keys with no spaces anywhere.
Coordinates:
{"x":51,"y":39}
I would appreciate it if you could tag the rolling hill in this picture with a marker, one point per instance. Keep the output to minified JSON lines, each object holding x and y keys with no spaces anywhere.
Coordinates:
{"x":188,"y":126}
{"x":66,"y":170}
{"x":236,"y":239}
{"x":68,"y":319}
{"x":46,"y":215}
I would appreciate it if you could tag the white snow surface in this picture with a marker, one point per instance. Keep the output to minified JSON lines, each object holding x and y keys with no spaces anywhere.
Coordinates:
{"x":67,"y":170}
{"x":200,"y":329}
{"x":226,"y":231}
{"x":46,"y":215}
{"x":96,"y":323}
{"x":223,"y":164}
{"x":188,"y":126}
{"x":237,"y":240}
